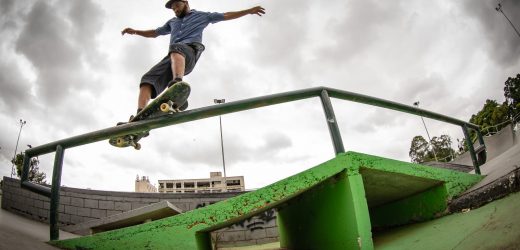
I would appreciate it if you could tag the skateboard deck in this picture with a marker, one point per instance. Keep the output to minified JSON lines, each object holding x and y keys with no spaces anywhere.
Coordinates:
{"x":170,"y":101}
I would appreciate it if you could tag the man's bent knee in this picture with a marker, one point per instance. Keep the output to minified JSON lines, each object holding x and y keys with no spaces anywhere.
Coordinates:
{"x":176,"y":56}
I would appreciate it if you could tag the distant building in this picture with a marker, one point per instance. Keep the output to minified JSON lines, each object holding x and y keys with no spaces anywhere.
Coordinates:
{"x":215,"y":184}
{"x":143,"y":185}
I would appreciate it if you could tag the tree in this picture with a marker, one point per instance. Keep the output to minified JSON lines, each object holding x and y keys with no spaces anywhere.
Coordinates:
{"x":420,"y":150}
{"x":492,"y":114}
{"x":512,"y":95}
{"x":442,"y":147}
{"x":34,"y":171}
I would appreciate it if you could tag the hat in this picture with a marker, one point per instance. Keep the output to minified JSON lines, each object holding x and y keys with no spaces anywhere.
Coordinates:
{"x":168,"y":4}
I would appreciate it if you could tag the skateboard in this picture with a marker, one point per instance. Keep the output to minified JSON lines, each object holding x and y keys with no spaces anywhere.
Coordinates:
{"x":172,"y":100}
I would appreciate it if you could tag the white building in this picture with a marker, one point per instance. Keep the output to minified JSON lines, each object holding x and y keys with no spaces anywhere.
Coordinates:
{"x":214,"y":184}
{"x":143,"y":185}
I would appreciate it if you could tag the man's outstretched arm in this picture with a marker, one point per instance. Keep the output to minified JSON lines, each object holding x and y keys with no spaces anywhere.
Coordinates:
{"x":145,"y":33}
{"x":258,"y":10}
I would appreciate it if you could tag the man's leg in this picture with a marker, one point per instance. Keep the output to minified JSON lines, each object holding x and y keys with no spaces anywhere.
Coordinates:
{"x":145,"y":94}
{"x":178,"y":63}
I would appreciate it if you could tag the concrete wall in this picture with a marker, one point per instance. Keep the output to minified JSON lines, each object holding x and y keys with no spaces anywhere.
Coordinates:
{"x":495,"y":145}
{"x":80,"y":205}
{"x":255,"y":230}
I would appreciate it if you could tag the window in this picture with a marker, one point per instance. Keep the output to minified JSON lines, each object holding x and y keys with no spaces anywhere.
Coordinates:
{"x":169,"y":185}
{"x":178,"y":185}
{"x":161,"y":185}
{"x":233,"y":182}
{"x":189,"y":184}
{"x":202,"y":184}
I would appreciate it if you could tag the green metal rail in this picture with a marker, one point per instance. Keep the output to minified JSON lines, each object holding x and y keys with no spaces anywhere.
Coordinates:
{"x":478,"y":155}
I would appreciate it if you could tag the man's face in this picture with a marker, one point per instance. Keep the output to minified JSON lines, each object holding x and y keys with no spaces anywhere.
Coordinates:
{"x":180,"y":8}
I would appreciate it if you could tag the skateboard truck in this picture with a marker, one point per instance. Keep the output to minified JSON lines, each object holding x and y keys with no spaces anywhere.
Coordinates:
{"x":130,"y":141}
{"x":169,"y":106}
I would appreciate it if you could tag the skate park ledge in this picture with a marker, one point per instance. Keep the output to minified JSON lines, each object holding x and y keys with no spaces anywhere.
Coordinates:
{"x":348,"y":197}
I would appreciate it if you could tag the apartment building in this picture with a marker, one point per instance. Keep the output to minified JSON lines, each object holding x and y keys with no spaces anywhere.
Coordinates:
{"x":216,"y":183}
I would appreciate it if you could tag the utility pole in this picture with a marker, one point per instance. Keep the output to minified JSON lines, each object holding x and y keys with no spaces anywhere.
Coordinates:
{"x":221,"y":101}
{"x":425,"y":128}
{"x":499,"y":9}
{"x":13,"y":169}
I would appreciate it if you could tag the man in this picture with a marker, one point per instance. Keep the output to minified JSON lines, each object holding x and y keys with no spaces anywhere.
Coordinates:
{"x":186,"y":46}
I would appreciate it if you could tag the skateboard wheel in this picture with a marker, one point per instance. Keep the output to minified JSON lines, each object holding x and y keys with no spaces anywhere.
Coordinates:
{"x":165,"y":107}
{"x":137,"y":146}
{"x":120,"y":142}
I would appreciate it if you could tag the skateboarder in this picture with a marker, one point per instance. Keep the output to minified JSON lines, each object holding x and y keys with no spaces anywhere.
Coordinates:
{"x":185,"y":48}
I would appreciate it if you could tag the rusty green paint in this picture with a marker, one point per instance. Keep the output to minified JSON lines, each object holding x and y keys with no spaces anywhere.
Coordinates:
{"x":332,"y":215}
{"x":191,"y":230}
{"x":427,"y":205}
{"x":456,"y":182}
{"x":400,"y":193}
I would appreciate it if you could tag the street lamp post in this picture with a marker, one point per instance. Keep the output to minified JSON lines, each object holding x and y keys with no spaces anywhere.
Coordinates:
{"x":499,"y":9}
{"x":425,"y":128}
{"x":13,"y":170}
{"x":221,"y":101}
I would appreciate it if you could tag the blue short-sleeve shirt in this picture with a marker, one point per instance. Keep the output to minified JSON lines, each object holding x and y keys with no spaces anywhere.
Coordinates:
{"x":189,"y":28}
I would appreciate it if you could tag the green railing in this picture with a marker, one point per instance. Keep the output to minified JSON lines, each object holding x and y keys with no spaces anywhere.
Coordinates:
{"x":478,"y":155}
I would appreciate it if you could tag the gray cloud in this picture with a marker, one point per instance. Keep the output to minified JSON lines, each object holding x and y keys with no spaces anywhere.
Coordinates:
{"x":57,"y":41}
{"x":15,"y":88}
{"x":358,"y":27}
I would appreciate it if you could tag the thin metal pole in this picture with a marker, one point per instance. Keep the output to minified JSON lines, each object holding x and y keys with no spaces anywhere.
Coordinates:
{"x":335,"y":135}
{"x":427,"y":133}
{"x":220,"y":101}
{"x":499,"y":9}
{"x":13,"y":171}
{"x":55,"y":194}
{"x":223,"y":159}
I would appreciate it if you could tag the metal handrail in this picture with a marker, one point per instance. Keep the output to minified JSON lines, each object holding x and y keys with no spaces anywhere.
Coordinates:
{"x":497,"y":126}
{"x":323,"y":93}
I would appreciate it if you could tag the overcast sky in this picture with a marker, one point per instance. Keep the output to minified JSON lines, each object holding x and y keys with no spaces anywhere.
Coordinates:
{"x":66,"y":70}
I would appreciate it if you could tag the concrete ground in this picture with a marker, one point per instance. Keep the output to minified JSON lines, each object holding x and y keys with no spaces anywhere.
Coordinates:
{"x":502,"y":178}
{"x":506,"y":163}
{"x":496,"y":225}
{"x":17,"y":232}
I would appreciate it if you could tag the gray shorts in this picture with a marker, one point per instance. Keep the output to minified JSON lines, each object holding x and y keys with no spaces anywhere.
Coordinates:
{"x":160,"y":74}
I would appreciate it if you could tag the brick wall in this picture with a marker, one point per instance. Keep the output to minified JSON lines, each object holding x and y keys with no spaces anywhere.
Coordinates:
{"x":80,"y":205}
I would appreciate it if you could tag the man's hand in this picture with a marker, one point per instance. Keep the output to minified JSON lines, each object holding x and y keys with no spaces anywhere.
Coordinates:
{"x":145,"y":33}
{"x":128,"y":31}
{"x":258,"y":10}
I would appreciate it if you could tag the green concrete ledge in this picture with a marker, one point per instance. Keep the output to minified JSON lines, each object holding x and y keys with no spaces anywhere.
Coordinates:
{"x":340,"y":196}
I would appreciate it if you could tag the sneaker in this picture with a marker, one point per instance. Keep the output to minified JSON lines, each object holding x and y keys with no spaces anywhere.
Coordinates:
{"x":121,"y":123}
{"x":176,"y":80}
{"x":184,"y":106}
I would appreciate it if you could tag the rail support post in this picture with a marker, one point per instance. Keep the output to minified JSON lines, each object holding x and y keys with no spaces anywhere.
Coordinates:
{"x":55,"y":194}
{"x":471,"y":149}
{"x":25,"y":167}
{"x":332,"y":123}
